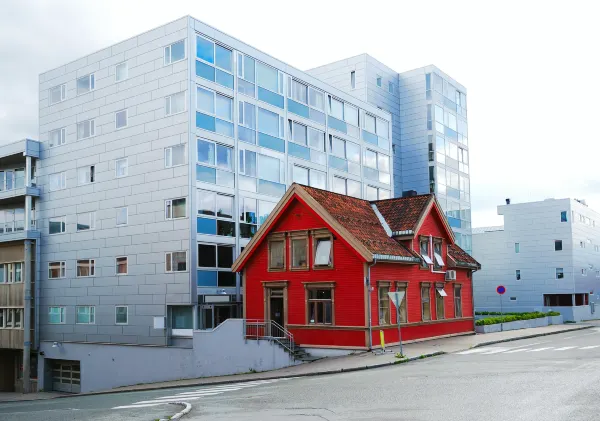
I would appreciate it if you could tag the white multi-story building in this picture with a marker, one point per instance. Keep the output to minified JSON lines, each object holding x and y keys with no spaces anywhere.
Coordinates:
{"x":546,"y":255}
{"x":160,"y":158}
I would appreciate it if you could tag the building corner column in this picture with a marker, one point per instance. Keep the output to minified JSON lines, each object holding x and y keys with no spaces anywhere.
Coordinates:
{"x":27,"y":275}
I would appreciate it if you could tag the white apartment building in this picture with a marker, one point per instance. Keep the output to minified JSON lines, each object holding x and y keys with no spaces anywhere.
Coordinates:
{"x":547,"y":255}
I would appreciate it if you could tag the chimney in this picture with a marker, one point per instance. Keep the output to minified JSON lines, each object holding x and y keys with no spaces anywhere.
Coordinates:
{"x":409,"y":193}
{"x":508,"y":201}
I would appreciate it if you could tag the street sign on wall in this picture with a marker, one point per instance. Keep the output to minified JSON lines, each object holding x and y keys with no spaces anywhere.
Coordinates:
{"x":500,"y":289}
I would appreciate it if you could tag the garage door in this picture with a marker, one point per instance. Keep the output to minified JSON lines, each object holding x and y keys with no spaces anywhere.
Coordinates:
{"x":66,"y":376}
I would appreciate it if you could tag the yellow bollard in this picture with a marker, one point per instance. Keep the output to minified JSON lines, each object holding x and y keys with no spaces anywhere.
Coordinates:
{"x":382,"y":339}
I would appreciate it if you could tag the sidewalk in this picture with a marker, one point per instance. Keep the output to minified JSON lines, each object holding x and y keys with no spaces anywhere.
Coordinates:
{"x":359,"y":361}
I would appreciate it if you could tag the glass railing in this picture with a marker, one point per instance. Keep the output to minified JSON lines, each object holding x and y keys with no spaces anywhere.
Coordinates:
{"x":271,"y":142}
{"x":298,"y":108}
{"x":336,"y":124}
{"x":214,"y":176}
{"x":270,"y":97}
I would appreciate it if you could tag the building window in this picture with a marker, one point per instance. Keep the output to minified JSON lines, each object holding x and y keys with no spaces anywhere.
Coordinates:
{"x":269,"y":78}
{"x":439,"y":302}
{"x":376,"y":166}
{"x":121,"y":167}
{"x":58,"y":94}
{"x":86,"y":129}
{"x":175,"y":52}
{"x":425,"y":302}
{"x":86,"y":175}
{"x":57,"y":181}
{"x":558,"y":246}
{"x":121,"y":216}
{"x":120,"y":119}
{"x":402,"y":287}
{"x":57,"y":270}
{"x":518,"y":274}
{"x":584,"y":272}
{"x":424,"y":251}
{"x":458,"y":301}
{"x":320,"y":305}
{"x":598,"y":274}
{"x":57,"y":137}
{"x":11,"y":318}
{"x":214,"y":62}
{"x":376,"y":193}
{"x":390,"y":87}
{"x":246,"y":70}
{"x":175,"y":208}
{"x":217,"y":163}
{"x":384,"y":305}
{"x":560,"y":274}
{"x":176,"y":261}
{"x":175,"y":156}
{"x":353,"y":79}
{"x":215,"y":214}
{"x":438,"y":261}
{"x":214,"y":112}
{"x":11,"y":273}
{"x":379,"y":81}
{"x":277,"y":254}
{"x":121,"y":72}
{"x":86,"y":221}
{"x":582,"y":244}
{"x":563,"y":216}
{"x":121,"y":315}
{"x":323,"y":251}
{"x":346,"y":186}
{"x":121,"y":266}
{"x":86,"y":267}
{"x":219,"y":258}
{"x":56,"y":315}
{"x":517,"y":248}
{"x":57,"y":225}
{"x":175,"y":104}
{"x":86,"y":84}
{"x":86,"y":315}
{"x":309,"y":177}
{"x":299,"y":246}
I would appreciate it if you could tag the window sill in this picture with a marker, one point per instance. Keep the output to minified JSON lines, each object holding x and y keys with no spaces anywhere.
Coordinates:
{"x":323,"y":267}
{"x":275,"y":270}
{"x":299,"y":269}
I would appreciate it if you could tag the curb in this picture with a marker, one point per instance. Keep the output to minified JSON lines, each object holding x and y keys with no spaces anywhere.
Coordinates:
{"x":180,"y":414}
{"x":533,"y":335}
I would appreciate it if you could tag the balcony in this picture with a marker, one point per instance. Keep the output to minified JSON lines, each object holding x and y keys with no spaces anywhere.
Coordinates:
{"x":15,"y":230}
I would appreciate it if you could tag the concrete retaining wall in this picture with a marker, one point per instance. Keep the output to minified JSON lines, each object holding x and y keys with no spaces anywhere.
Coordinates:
{"x":219,"y":352}
{"x":520,"y":324}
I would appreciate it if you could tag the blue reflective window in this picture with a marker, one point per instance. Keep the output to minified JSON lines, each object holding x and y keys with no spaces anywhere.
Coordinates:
{"x":271,"y":142}
{"x":205,"y":49}
{"x":338,"y":125}
{"x":370,"y":137}
{"x":338,"y":163}
{"x":453,"y":222}
{"x":268,"y":122}
{"x":298,"y":151}
{"x":297,"y":108}
{"x":270,"y":188}
{"x":270,"y":97}
{"x":206,"y":174}
{"x":450,"y":133}
{"x":224,"y":58}
{"x":206,"y":226}
{"x":224,"y":79}
{"x":563,"y":216}
{"x":205,"y":71}
{"x":205,"y":122}
{"x":246,"y":135}
{"x":207,"y":278}
{"x":224,"y":127}
{"x":317,"y":116}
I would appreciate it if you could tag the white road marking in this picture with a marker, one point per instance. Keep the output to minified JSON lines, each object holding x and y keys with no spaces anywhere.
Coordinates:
{"x":541,"y":349}
{"x":473,"y":351}
{"x":512,"y":351}
{"x":137,"y":406}
{"x":590,"y":347}
{"x":564,"y":348}
{"x":496,"y":351}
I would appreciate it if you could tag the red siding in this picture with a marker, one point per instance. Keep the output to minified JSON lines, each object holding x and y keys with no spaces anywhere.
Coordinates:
{"x":348,"y":275}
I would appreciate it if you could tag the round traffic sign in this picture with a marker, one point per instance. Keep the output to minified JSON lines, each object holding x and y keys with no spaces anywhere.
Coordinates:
{"x":500,"y":289}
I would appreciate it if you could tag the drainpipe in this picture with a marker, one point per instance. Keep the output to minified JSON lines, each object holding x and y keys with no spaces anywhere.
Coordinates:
{"x":369,"y":302}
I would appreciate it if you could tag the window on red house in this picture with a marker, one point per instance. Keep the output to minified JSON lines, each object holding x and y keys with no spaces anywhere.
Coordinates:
{"x":425,"y":302}
{"x":323,"y":251}
{"x":384,"y":305}
{"x":299,"y":253}
{"x":439,"y":302}
{"x":320,"y":306}
{"x":424,"y":251}
{"x":402,"y":287}
{"x":457,"y":301}
{"x":276,"y":254}
{"x":438,"y":261}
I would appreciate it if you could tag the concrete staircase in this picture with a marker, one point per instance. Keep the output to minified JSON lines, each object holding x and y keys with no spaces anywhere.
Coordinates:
{"x":298,"y":353}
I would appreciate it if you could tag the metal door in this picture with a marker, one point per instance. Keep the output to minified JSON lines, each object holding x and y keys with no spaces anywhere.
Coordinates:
{"x":66,"y":376}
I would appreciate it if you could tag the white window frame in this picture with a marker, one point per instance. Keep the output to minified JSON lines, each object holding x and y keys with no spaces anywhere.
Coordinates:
{"x":323,"y":94}
{"x":126,"y":315}
{"x":89,"y":169}
{"x":124,"y":63}
{"x":391,"y":88}
{"x":91,"y":79}
{"x":517,"y":248}
{"x":215,"y":43}
{"x":310,"y":171}
{"x":92,"y":123}
{"x":280,"y":78}
{"x":92,"y":221}
{"x":63,"y":181}
{"x":169,"y":155}
{"x":216,"y":145}
{"x":117,"y":167}
{"x":379,"y":81}
{"x":290,"y":83}
{"x":556,"y":273}
{"x":126,"y":216}
{"x":63,"y":220}
{"x":169,"y":104}
{"x":169,"y":209}
{"x":63,"y":93}
{"x":91,"y":266}
{"x":346,"y":185}
{"x":62,"y":270}
{"x":117,"y":273}
{"x":169,"y":49}
{"x":91,"y":315}
{"x":379,"y":189}
{"x":62,"y":314}
{"x":62,"y":137}
{"x":126,"y":119}
{"x":169,"y":255}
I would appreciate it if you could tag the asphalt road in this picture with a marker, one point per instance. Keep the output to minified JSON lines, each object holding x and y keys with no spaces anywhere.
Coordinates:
{"x":549,"y":378}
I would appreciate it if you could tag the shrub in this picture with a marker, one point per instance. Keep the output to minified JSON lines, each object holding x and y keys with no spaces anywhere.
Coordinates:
{"x":513,"y":317}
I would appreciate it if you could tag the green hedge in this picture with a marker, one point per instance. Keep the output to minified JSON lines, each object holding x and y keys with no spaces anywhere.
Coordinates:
{"x":508,"y":317}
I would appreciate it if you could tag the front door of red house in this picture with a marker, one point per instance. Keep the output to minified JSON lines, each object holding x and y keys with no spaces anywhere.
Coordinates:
{"x":276,"y":305}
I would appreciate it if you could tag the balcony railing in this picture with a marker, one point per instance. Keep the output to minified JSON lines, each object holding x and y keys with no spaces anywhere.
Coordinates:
{"x":270,"y":330}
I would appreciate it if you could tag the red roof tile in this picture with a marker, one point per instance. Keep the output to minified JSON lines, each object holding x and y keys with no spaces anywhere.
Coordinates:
{"x":358,"y":217}
{"x":403,"y":213}
{"x":461,"y":257}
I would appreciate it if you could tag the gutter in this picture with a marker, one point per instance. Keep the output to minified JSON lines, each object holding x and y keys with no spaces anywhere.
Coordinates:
{"x":396,"y":258}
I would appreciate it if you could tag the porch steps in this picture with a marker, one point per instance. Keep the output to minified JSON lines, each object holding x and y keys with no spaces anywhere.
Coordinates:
{"x":298,"y":353}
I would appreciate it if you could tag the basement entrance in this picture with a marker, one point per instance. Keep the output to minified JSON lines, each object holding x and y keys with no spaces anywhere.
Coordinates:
{"x":66,"y":376}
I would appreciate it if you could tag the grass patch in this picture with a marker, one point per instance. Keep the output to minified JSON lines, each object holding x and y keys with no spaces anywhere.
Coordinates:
{"x":508,"y":317}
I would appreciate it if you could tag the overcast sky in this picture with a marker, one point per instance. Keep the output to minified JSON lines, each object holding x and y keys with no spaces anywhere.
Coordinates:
{"x":530,"y":68}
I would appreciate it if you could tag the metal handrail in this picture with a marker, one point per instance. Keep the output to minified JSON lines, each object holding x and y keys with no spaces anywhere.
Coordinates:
{"x":271,"y":330}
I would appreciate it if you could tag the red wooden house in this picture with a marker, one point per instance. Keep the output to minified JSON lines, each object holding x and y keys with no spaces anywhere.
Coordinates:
{"x":323,"y":263}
